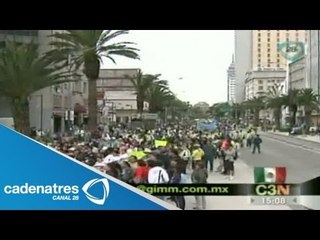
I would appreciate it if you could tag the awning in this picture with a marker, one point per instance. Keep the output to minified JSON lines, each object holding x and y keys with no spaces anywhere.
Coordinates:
{"x":78,"y":108}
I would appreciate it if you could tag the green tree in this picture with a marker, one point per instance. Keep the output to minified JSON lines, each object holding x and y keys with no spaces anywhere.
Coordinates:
{"x":159,"y":96}
{"x":22,"y":72}
{"x":255,"y":104}
{"x":291,"y":100}
{"x":86,"y":48}
{"x":142,"y":84}
{"x":309,"y":100}
{"x":275,"y":102}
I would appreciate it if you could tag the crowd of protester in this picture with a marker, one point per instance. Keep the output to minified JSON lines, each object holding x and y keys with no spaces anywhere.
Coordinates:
{"x":159,"y":156}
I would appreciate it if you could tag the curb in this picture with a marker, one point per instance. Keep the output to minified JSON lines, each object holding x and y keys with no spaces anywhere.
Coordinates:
{"x":289,"y":136}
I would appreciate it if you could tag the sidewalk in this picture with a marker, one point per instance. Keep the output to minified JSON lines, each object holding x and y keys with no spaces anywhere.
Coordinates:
{"x":310,"y":138}
{"x":243,"y":174}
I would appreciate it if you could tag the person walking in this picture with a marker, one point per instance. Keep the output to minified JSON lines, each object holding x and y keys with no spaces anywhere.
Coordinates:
{"x":209,"y":154}
{"x":199,"y":176}
{"x":256,"y":144}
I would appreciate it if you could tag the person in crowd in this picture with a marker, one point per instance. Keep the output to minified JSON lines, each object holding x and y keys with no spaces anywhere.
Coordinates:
{"x":141,"y":172}
{"x":127,"y":174}
{"x":209,"y":154}
{"x":256,"y":144}
{"x":199,"y":176}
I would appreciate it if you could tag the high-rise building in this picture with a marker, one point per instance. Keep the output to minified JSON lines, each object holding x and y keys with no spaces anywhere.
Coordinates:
{"x":262,"y":50}
{"x":269,"y":47}
{"x":243,"y":61}
{"x":313,"y":61}
{"x":231,"y":82}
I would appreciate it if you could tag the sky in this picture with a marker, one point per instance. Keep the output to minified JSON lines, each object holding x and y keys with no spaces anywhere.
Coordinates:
{"x":194,"y":62}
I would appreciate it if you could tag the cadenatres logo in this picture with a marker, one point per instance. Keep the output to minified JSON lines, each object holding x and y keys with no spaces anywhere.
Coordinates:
{"x":63,"y":192}
{"x":90,"y":184}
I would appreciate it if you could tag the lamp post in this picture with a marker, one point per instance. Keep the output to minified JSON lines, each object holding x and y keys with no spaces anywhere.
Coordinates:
{"x":130,"y":106}
{"x":41,"y":111}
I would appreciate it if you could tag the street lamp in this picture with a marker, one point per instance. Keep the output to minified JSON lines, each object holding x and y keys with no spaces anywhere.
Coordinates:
{"x":130,"y":106}
{"x":41,"y":111}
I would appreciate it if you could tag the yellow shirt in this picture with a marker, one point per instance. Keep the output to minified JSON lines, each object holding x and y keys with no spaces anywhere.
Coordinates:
{"x":197,"y":154}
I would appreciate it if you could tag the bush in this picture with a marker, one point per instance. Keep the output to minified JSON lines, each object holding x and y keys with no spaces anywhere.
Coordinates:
{"x":284,"y":129}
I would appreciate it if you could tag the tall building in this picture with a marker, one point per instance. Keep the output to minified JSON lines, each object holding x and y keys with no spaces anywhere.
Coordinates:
{"x":262,"y":50}
{"x":269,"y":47}
{"x":243,"y":61}
{"x":313,"y":61}
{"x":313,"y":68}
{"x":53,"y":108}
{"x":231,"y":82}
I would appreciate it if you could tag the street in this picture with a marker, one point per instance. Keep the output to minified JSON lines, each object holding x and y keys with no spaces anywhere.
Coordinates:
{"x":300,"y":157}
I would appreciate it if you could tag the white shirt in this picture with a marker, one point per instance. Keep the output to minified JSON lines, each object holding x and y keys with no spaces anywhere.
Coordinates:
{"x":157,"y":175}
{"x":110,"y":158}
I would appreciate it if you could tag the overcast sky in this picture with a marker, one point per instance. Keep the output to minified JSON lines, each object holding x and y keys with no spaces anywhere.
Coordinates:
{"x":194,"y":62}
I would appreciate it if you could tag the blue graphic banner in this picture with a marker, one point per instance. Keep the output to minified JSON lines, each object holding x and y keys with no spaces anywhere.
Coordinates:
{"x":35,"y":177}
{"x":208,"y":125}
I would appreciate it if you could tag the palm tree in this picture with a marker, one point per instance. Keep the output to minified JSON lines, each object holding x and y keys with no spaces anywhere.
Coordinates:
{"x":22,"y":72}
{"x":142,"y":83}
{"x":87,"y":48}
{"x":158,"y":97}
{"x":256,"y":104}
{"x":274,"y":101}
{"x":309,"y":100}
{"x":291,"y":100}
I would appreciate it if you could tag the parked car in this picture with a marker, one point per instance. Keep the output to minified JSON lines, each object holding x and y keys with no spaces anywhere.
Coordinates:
{"x":296,"y":130}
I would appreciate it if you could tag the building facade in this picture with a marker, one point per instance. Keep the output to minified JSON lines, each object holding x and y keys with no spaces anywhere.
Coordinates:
{"x":259,"y":50}
{"x":313,"y":61}
{"x":231,"y":83}
{"x":54,"y":108}
{"x":269,"y":47}
{"x":116,"y":95}
{"x":297,"y":74}
{"x":259,"y":82}
{"x":243,"y":61}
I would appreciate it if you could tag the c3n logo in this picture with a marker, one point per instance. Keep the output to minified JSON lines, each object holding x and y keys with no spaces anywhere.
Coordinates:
{"x":272,"y":190}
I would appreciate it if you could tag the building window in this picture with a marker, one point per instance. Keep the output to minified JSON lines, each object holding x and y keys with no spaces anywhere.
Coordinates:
{"x":259,"y":50}
{"x":259,"y":45}
{"x":268,"y":34}
{"x":260,"y":88}
{"x":278,"y":65}
{"x":268,"y":44}
{"x":268,"y":81}
{"x":297,"y":34}
{"x":278,"y":39}
{"x":268,"y":54}
{"x":259,"y":55}
{"x":259,"y":60}
{"x":259,"y":65}
{"x":278,"y":60}
{"x":268,"y":65}
{"x":259,"y":34}
{"x":259,"y":39}
{"x":268,"y":49}
{"x":273,"y":81}
{"x":287,"y":39}
{"x":278,"y":34}
{"x":278,"y":55}
{"x":260,"y":82}
{"x":268,"y":39}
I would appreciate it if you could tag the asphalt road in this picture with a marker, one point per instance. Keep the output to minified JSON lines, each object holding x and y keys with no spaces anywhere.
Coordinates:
{"x":300,"y":157}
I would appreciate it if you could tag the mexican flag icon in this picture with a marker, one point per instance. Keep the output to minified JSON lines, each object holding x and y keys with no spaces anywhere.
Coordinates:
{"x":270,"y":174}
